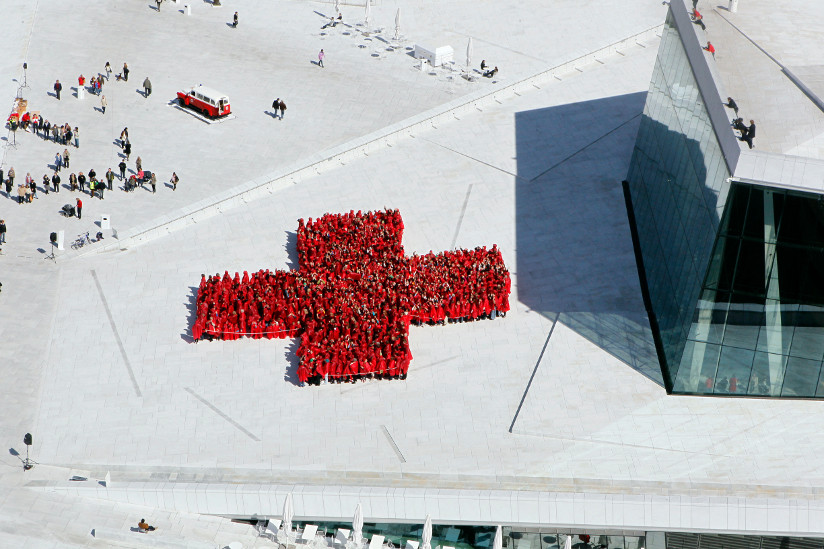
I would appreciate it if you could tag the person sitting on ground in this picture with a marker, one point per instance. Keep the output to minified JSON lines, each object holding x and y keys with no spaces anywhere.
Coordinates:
{"x":710,"y":48}
{"x":483,"y":64}
{"x":143,"y":526}
{"x":492,"y":73}
{"x":698,"y":19}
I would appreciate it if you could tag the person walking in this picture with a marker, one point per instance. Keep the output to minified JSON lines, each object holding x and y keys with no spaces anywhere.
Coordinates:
{"x":153,"y":182}
{"x":109,"y":178}
{"x":158,"y":5}
{"x":276,"y":106}
{"x":321,"y":55}
{"x":55,"y":182}
{"x":58,"y":87}
{"x":125,"y":72}
{"x":66,"y":158}
{"x":174,"y":180}
{"x":11,"y":179}
{"x":58,"y":162}
{"x":147,"y":87}
{"x":108,"y":69}
{"x":46,"y":183}
{"x":2,"y":231}
{"x":79,"y":209}
{"x":76,"y":137}
{"x":234,"y":22}
{"x":122,"y":167}
{"x":127,"y":149}
{"x":103,"y":103}
{"x":282,"y":107}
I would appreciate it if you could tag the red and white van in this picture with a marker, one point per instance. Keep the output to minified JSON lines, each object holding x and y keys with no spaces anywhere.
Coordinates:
{"x":206,"y":100}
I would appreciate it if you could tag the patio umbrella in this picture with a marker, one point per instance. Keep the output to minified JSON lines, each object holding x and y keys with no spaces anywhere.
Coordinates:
{"x":368,"y":12}
{"x":398,"y":24}
{"x":469,"y":52}
{"x":426,"y":538}
{"x":288,"y":513}
{"x":357,"y":524}
{"x":498,"y":542}
{"x":568,"y":542}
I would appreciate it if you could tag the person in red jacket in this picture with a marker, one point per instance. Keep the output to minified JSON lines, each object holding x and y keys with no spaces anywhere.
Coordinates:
{"x":79,"y":209}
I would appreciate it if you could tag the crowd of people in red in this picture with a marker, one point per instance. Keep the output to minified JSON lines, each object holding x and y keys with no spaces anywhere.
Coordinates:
{"x":353,"y":297}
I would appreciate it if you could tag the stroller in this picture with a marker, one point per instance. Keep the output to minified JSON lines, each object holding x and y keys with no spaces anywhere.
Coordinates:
{"x":67,"y":210}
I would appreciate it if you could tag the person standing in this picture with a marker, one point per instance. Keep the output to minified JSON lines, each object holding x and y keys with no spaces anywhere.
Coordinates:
{"x":139,"y":164}
{"x":73,"y":182}
{"x":147,"y":87}
{"x":46,"y":183}
{"x":32,"y":186}
{"x":21,"y":193}
{"x":234,"y":22}
{"x":108,"y":70}
{"x":2,"y":231}
{"x":66,"y":158}
{"x":56,"y":182}
{"x":125,"y":72}
{"x":81,"y":180}
{"x":174,"y":180}
{"x":10,"y":180}
{"x":58,"y":162}
{"x":127,"y":149}
{"x":103,"y":103}
{"x":158,"y":5}
{"x":79,"y":209}
{"x":282,"y":106}
{"x":153,"y":181}
{"x":58,"y":87}
{"x":122,"y":167}
{"x":76,"y":137}
{"x":109,"y":178}
{"x":750,"y":134}
{"x":321,"y":55}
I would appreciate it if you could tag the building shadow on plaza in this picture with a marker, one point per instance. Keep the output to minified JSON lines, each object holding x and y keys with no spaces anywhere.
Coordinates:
{"x":575,"y":258}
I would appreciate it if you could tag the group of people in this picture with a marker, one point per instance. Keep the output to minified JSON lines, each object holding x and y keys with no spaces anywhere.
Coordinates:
{"x":62,"y":134}
{"x":353,"y":297}
{"x":486,"y":71}
{"x":747,"y":132}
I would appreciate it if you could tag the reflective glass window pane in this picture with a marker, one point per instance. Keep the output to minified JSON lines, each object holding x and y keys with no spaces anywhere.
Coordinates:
{"x":801,"y":377}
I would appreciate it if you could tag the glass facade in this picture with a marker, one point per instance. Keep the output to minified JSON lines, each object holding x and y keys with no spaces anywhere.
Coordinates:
{"x":758,"y":327}
{"x":678,"y":187}
{"x":732,"y":271}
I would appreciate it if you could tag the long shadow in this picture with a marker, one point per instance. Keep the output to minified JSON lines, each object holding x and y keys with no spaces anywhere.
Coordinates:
{"x":191,"y":315}
{"x":575,"y":257}
{"x":292,"y":250}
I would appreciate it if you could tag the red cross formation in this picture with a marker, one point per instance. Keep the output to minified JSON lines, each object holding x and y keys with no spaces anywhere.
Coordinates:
{"x":353,"y":296}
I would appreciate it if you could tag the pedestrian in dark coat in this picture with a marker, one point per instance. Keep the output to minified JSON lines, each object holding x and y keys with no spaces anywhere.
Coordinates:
{"x":58,"y":87}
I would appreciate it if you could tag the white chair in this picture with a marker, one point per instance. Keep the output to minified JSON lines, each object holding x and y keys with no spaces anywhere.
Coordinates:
{"x":411,"y":544}
{"x":376,"y":542}
{"x":342,"y":536}
{"x":272,"y":528}
{"x":309,"y":532}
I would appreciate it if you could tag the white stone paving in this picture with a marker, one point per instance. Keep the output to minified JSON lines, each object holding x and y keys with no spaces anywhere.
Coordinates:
{"x":546,"y":165}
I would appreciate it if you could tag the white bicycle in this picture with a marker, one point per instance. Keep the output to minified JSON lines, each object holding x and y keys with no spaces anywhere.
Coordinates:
{"x":82,"y":240}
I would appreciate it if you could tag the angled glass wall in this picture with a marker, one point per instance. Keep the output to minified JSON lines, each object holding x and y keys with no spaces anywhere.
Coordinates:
{"x":758,"y":328}
{"x":678,"y":187}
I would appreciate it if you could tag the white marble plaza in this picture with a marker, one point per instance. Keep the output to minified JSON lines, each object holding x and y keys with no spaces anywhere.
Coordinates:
{"x":552,"y":416}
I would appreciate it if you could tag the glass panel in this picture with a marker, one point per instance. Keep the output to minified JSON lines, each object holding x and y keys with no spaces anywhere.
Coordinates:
{"x":734,"y":371}
{"x":801,"y":378}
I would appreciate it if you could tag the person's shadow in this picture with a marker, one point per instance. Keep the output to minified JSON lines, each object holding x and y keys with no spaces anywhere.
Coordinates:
{"x":270,"y":113}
